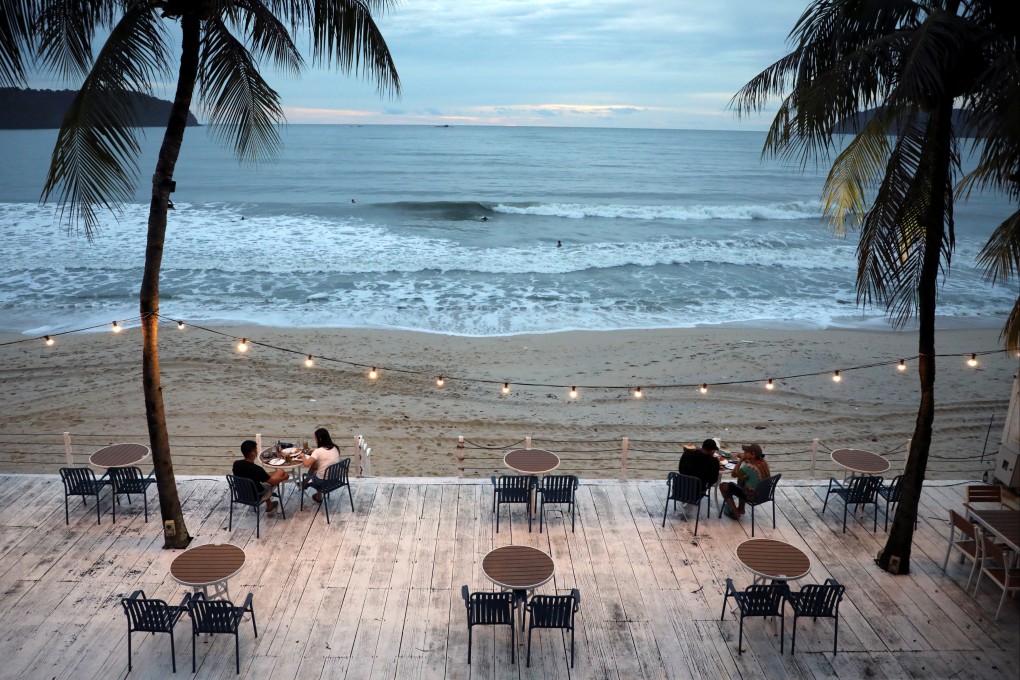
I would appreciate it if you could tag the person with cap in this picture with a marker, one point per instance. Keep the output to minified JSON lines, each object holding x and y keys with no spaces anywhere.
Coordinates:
{"x":751,"y":468}
{"x":701,"y":463}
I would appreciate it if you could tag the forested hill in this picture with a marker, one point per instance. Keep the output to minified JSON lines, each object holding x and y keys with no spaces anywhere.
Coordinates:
{"x":37,"y":109}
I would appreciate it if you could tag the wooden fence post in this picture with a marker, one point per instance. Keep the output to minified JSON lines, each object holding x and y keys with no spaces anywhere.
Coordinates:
{"x":67,"y":449}
{"x":527,"y":442}
{"x":814,"y":455}
{"x":460,"y":456}
{"x":258,"y":442}
{"x":624,"y":446}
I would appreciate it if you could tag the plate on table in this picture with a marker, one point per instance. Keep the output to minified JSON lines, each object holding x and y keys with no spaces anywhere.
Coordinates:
{"x":290,"y":449}
{"x":277,"y":461}
{"x":729,"y":466}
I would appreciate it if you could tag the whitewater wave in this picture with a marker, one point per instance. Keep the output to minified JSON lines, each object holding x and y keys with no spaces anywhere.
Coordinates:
{"x":797,"y":210}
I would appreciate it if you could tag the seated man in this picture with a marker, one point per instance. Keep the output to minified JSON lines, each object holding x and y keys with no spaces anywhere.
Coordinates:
{"x":701,"y":463}
{"x":249,"y":469}
{"x":751,"y":469}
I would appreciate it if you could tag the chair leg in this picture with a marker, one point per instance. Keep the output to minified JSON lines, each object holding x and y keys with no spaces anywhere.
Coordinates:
{"x":67,"y":517}
{"x":697,"y":518}
{"x":513,"y":643}
{"x":173,"y":652}
{"x":194,"y":635}
{"x":740,"y":637}
{"x":541,"y":515}
{"x":826,"y":504}
{"x":874,"y":527}
{"x":350,"y":496}
{"x":469,"y":643}
{"x":529,"y":646}
{"x":257,"y":521}
{"x":793,"y":638}
{"x":497,"y":519}
{"x":129,"y":651}
{"x":572,"y":639}
{"x":572,"y":508}
{"x":773,"y":501}
{"x":752,"y":521}
{"x":844,"y":517}
{"x":113,"y":504}
{"x":230,"y":522}
{"x":665,"y":511}
{"x":325,"y":505}
{"x":145,"y":500}
{"x":237,"y":652}
{"x":835,"y":637}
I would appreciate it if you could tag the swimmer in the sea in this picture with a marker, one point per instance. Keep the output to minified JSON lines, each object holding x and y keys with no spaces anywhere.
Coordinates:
{"x":559,"y":244}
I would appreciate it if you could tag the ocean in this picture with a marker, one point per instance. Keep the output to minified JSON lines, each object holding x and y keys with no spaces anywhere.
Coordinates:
{"x":476,"y":231}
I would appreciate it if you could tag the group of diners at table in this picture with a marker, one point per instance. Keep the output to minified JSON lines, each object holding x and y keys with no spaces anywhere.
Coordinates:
{"x":325,"y":454}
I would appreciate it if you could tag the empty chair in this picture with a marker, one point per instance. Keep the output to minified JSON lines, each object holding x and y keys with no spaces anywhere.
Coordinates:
{"x":557,"y":489}
{"x":244,"y":492}
{"x":81,"y":481}
{"x":764,"y":492}
{"x":817,"y":601}
{"x":892,"y":494}
{"x":758,"y":601}
{"x":210,"y":617}
{"x":152,"y":616}
{"x":336,"y":476}
{"x":685,"y":489}
{"x":125,"y":481}
{"x":490,"y":609}
{"x":554,"y":611}
{"x":857,"y":492}
{"x":512,"y":490}
{"x":967,"y":545}
{"x":1000,"y":568}
{"x":982,"y":493}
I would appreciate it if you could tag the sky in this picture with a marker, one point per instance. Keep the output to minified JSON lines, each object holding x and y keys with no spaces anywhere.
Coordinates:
{"x":578,"y":63}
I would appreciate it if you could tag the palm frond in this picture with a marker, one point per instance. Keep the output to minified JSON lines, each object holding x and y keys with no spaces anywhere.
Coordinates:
{"x":1011,"y":330}
{"x":65,"y":29}
{"x":94,"y":158}
{"x":268,"y":36}
{"x":243,"y":109}
{"x":17,"y":18}
{"x":855,"y":170}
{"x":344,"y":33}
{"x":1000,"y":257}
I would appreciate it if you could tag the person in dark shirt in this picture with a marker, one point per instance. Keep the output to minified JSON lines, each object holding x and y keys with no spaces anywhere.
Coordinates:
{"x":701,"y":463}
{"x":249,"y":469}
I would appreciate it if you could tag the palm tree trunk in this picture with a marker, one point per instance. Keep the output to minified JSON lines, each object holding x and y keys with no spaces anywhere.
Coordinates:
{"x":175,"y":535}
{"x":895,"y":556}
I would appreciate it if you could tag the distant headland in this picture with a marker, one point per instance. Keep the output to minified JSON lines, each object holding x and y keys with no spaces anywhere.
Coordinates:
{"x":44,"y":109}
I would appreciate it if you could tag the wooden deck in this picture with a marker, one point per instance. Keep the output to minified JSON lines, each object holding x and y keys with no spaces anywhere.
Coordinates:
{"x":376,"y":594}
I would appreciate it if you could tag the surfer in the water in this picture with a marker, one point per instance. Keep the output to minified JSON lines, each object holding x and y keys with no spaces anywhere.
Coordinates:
{"x":485,"y":218}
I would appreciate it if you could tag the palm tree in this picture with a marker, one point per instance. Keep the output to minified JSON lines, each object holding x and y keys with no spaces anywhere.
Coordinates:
{"x":906,"y":62}
{"x":222,"y":43}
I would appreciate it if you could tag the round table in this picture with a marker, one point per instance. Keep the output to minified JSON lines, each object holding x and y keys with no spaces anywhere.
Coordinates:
{"x":292,"y":468}
{"x":119,"y":455}
{"x":208,"y":566}
{"x":518,"y":568}
{"x":860,"y":461}
{"x":770,"y":559}
{"x":531,"y":461}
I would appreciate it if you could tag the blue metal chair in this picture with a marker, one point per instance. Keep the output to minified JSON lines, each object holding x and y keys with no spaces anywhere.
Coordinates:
{"x":554,"y":611}
{"x":125,"y":481}
{"x":859,"y":491}
{"x":512,"y":490}
{"x":336,"y":476}
{"x":685,"y":489}
{"x":759,"y":601}
{"x":81,"y":481}
{"x":244,"y":492}
{"x":153,"y":616}
{"x":490,"y":609}
{"x":218,"y":616}
{"x":817,"y":601}
{"x":557,"y":489}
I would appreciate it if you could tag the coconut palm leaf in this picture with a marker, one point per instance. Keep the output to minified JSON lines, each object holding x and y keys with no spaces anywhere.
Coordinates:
{"x":344,"y":33}
{"x":267,"y":35}
{"x":66,"y":27}
{"x":16,"y":20}
{"x":855,"y":171}
{"x":94,"y":158}
{"x":1000,"y":259}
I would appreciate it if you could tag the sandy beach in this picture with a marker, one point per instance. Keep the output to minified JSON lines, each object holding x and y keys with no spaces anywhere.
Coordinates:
{"x":89,"y":385}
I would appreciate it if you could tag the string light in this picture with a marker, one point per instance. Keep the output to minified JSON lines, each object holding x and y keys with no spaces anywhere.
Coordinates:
{"x":506,"y":388}
{"x":638,"y":394}
{"x":373,"y":374}
{"x":836,"y":377}
{"x":440,"y":382}
{"x":309,"y":362}
{"x":769,"y":385}
{"x":116,"y":327}
{"x":902,"y":366}
{"x":49,"y":341}
{"x":573,"y":392}
{"x":180,"y":325}
{"x":242,"y":346}
{"x":972,"y":361}
{"x":703,"y":388}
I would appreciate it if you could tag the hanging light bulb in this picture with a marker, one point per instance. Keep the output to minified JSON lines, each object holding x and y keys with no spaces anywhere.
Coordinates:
{"x":703,"y":388}
{"x":506,"y":388}
{"x":309,"y":362}
{"x":836,"y":377}
{"x":116,"y":327}
{"x":573,"y":393}
{"x":902,"y":366}
{"x":49,"y":341}
{"x":440,"y":382}
{"x":638,"y":393}
{"x":373,"y":374}
{"x":972,"y":361}
{"x":242,"y":346}
{"x":769,"y":385}
{"x":180,"y":325}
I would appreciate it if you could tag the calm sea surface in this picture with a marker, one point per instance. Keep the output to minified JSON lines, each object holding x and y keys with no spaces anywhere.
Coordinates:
{"x":456,"y":230}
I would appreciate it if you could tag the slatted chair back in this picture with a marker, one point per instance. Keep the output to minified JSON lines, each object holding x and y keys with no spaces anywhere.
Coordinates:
{"x":490,"y":609}
{"x":817,"y":601}
{"x":214,"y":616}
{"x":992,"y":551}
{"x":684,"y":488}
{"x":982,"y":493}
{"x":765,"y":490}
{"x":243,"y":491}
{"x":151,"y":616}
{"x":78,"y":481}
{"x":129,"y":480}
{"x":514,"y":488}
{"x":559,"y":488}
{"x":336,"y":475}
{"x":996,"y":566}
{"x":894,"y":492}
{"x":554,"y":611}
{"x":959,"y":523}
{"x":863,"y":489}
{"x":760,"y":601}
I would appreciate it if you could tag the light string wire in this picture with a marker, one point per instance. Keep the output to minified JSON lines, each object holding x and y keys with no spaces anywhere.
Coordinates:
{"x":493,"y":381}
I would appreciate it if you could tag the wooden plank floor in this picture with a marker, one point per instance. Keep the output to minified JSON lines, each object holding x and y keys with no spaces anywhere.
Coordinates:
{"x":376,"y":594}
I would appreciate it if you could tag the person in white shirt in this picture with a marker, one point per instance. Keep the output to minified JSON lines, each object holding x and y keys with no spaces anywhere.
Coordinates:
{"x":325,"y":454}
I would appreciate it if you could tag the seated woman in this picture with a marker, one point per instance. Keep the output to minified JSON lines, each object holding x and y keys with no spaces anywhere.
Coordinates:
{"x":751,"y":468}
{"x":325,"y":454}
